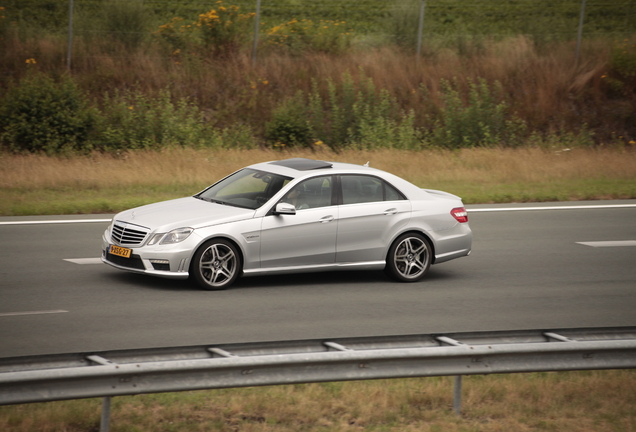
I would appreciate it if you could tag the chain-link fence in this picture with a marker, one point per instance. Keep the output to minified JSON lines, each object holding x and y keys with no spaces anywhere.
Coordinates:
{"x":368,"y":22}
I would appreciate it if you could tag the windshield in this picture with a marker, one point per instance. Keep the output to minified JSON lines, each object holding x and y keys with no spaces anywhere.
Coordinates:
{"x":247,"y":188}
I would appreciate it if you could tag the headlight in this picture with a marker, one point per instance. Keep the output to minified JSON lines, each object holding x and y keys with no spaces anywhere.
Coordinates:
{"x":175,"y":236}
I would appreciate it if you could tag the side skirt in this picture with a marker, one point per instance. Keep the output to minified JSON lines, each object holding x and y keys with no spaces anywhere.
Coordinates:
{"x":369,"y":265}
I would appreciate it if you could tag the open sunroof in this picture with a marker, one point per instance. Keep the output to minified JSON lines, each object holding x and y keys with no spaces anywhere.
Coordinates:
{"x":303,"y":164}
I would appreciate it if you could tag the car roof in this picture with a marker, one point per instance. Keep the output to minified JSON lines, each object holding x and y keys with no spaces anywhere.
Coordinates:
{"x":303,"y":164}
{"x":303,"y":167}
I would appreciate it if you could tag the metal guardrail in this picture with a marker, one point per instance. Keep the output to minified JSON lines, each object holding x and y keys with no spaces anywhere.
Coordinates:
{"x":130,"y":372}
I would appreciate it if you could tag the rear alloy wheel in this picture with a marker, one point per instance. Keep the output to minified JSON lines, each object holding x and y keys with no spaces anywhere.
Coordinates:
{"x":409,"y":258}
{"x":216,"y":264}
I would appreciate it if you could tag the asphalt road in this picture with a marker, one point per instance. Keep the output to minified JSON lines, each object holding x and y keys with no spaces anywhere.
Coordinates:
{"x":528,"y":270}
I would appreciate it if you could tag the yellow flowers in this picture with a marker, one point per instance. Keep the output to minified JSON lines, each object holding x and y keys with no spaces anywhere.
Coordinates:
{"x":30,"y":61}
{"x":262,"y":81}
{"x":222,"y":30}
{"x":323,"y":36}
{"x":208,"y":18}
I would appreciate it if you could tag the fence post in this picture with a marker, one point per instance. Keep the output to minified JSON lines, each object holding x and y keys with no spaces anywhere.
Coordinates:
{"x":457,"y":395}
{"x":420,"y":29}
{"x":70,"y":35}
{"x":256,"y":28}
{"x":580,"y":34}
{"x":104,"y":425}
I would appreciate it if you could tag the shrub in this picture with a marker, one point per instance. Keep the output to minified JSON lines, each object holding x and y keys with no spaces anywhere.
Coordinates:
{"x":127,"y":22}
{"x":4,"y":25}
{"x":330,"y":37}
{"x":177,"y":34}
{"x":340,"y":120}
{"x":236,"y":136}
{"x":481,"y":122}
{"x":403,"y":24}
{"x":621,"y":76}
{"x":224,"y":29}
{"x":357,"y":115}
{"x":41,"y":115}
{"x":289,"y":126}
{"x":562,"y":140}
{"x":383,"y":132}
{"x":134,"y":121}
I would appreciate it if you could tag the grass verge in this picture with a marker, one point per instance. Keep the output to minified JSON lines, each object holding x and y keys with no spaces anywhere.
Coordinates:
{"x":103,"y":183}
{"x":588,"y":401}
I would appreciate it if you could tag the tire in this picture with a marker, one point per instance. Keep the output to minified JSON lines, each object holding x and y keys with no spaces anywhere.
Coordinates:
{"x":216,"y":264}
{"x":409,"y":258}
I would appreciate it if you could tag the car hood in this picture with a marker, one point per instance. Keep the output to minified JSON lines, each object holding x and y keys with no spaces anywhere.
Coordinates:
{"x":183,"y":212}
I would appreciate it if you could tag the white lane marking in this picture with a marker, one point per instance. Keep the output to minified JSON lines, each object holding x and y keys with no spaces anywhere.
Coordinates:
{"x":60,"y":221}
{"x":84,"y":260}
{"x":618,"y":243}
{"x":33,"y":312}
{"x":581,"y":207}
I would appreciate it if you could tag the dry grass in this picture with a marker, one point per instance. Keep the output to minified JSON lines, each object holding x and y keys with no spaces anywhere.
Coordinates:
{"x":188,"y":166}
{"x":598,"y":401}
{"x":36,"y":184}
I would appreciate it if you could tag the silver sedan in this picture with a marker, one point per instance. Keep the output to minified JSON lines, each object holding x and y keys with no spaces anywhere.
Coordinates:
{"x":291,"y":216}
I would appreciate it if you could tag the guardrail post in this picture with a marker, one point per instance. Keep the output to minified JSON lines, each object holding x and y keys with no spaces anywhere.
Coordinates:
{"x":457,"y":395}
{"x":104,"y":425}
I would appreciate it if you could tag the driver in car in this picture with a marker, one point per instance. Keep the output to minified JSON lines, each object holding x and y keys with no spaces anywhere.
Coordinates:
{"x":295,"y":198}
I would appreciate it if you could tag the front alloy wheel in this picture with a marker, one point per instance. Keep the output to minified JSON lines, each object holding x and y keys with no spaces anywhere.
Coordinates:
{"x":216,"y":264}
{"x":409,"y":258}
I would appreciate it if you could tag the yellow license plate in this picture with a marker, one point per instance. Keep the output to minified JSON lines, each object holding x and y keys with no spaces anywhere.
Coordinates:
{"x":120,"y":251}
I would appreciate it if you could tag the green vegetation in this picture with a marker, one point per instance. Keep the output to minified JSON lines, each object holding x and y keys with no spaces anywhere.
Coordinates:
{"x":43,"y":116}
{"x":341,"y":74}
{"x":175,"y":84}
{"x":595,"y":401}
{"x":448,"y":17}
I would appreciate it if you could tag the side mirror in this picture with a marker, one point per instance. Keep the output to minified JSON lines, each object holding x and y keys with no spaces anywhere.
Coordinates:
{"x":285,"y":209}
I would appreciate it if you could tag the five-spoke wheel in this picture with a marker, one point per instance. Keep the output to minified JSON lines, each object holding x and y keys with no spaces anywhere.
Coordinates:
{"x":216,"y":264}
{"x":409,"y":257}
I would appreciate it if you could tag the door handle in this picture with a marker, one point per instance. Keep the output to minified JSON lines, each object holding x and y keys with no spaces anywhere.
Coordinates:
{"x":390,"y":212}
{"x":326,"y":219}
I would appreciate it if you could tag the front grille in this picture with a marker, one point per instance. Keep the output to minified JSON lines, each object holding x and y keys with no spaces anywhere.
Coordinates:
{"x":133,"y":262}
{"x":127,"y":234}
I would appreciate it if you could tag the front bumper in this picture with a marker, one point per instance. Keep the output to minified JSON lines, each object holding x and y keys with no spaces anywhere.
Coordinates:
{"x":163,"y":262}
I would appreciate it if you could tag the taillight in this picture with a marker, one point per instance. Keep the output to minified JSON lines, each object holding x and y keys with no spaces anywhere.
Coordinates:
{"x":460,"y":214}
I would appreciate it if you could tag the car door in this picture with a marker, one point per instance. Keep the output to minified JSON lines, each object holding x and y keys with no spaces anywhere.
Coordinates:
{"x":371,"y":211}
{"x":307,"y":237}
